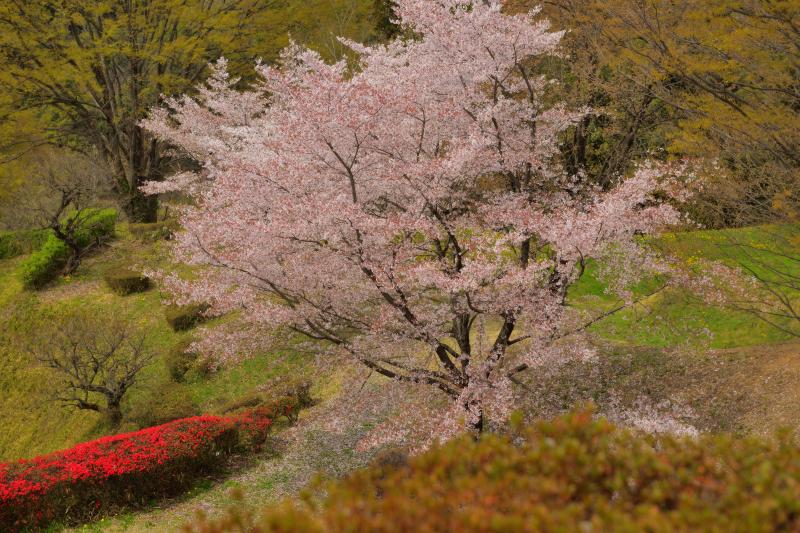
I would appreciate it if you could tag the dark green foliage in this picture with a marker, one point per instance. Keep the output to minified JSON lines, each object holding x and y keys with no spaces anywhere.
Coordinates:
{"x":385,"y":19}
{"x":180,"y":359}
{"x":183,"y":317}
{"x":124,"y":281}
{"x":43,"y":266}
{"x":15,"y":243}
{"x":155,"y":231}
{"x":572,"y":474}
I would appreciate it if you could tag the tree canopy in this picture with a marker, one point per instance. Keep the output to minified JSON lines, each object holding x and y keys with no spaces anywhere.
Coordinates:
{"x":83,"y":73}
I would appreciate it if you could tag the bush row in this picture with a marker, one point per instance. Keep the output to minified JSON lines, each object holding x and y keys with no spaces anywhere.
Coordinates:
{"x":124,"y":281}
{"x":128,"y":469}
{"x":44,"y":265}
{"x":572,"y":474}
{"x":184,"y":317}
{"x":154,"y":231}
{"x":15,"y":243}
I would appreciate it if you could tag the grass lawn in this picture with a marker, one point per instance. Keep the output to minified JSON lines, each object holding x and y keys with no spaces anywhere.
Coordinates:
{"x":676,"y":317}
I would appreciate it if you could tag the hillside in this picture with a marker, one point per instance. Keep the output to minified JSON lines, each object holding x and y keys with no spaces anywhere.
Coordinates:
{"x":729,"y":368}
{"x":35,"y":424}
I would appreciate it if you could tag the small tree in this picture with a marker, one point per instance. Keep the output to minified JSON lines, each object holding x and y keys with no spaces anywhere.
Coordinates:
{"x":62,"y":193}
{"x":97,"y":360}
{"x":400,"y":212}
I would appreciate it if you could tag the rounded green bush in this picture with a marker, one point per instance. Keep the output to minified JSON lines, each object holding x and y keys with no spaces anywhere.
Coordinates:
{"x":43,"y":266}
{"x":575,"y":473}
{"x":180,"y":359}
{"x":15,"y":243}
{"x":96,"y":224}
{"x":153,"y":231}
{"x":124,"y":281}
{"x":183,"y":317}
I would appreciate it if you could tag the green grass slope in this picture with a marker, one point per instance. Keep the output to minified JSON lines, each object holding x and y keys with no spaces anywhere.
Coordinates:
{"x":677,"y":317}
{"x":32,"y":423}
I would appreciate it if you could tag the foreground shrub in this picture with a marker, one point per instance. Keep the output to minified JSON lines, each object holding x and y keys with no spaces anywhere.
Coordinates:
{"x":124,"y":281}
{"x":125,"y":470}
{"x":15,"y":243}
{"x":572,"y":474}
{"x":183,"y":317}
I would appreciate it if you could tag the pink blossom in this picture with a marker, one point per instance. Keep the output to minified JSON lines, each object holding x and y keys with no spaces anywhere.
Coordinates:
{"x":388,"y":211}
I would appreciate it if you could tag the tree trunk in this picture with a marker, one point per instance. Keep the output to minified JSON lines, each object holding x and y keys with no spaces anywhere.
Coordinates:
{"x":476,"y":419}
{"x":140,"y":207}
{"x":113,"y":413}
{"x":73,"y":261}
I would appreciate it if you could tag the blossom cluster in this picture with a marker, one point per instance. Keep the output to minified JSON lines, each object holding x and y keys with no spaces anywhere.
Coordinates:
{"x":389,"y":209}
{"x":126,"y":469}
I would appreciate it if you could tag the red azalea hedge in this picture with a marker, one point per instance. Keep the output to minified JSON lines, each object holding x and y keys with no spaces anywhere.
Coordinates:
{"x":128,"y":469}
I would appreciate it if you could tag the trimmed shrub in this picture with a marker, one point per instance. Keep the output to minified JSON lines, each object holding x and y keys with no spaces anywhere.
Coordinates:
{"x":124,"y":281}
{"x":572,"y":474}
{"x":294,"y":397}
{"x":180,"y":359}
{"x":154,"y":231}
{"x":165,"y":404}
{"x":183,"y":317}
{"x":97,"y":225}
{"x":126,"y":470}
{"x":45,"y":265}
{"x":15,"y":243}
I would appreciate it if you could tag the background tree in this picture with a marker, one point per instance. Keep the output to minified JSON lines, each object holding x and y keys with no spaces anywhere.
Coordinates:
{"x":716,"y":81}
{"x":63,"y":193}
{"x":399,"y":212}
{"x":82,"y":73}
{"x":96,"y":360}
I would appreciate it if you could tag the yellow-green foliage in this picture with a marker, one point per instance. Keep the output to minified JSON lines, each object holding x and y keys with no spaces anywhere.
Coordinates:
{"x":16,"y":243}
{"x":43,"y":266}
{"x":572,"y":474}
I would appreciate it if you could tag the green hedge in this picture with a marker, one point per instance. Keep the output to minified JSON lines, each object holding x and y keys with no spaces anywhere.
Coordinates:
{"x":43,"y":266}
{"x":124,"y":281}
{"x":97,"y":224}
{"x":153,"y":231}
{"x":572,"y":474}
{"x":15,"y":243}
{"x":46,"y":264}
{"x":183,"y":317}
{"x":180,"y":359}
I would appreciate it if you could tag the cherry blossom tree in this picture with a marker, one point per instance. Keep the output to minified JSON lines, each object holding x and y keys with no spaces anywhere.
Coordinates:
{"x":400,"y":210}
